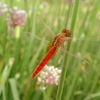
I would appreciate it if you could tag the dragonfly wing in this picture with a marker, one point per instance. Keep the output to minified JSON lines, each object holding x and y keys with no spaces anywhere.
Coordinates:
{"x":76,"y":56}
{"x":51,"y":32}
{"x":69,"y":53}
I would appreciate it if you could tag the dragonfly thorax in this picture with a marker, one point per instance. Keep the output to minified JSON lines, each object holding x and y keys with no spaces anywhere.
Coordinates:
{"x":61,"y":38}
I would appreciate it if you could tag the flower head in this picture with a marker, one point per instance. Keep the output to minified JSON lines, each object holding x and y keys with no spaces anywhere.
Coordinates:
{"x":3,"y":8}
{"x":16,"y":17}
{"x":50,"y":76}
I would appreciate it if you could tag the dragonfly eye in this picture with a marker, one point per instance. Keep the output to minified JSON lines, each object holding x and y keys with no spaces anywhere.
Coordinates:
{"x":68,"y":35}
{"x":66,"y":32}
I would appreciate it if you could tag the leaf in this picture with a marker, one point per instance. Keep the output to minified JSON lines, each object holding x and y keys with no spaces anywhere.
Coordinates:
{"x":14,"y":89}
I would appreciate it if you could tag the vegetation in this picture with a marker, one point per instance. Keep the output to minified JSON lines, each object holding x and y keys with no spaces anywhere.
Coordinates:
{"x":27,"y":26}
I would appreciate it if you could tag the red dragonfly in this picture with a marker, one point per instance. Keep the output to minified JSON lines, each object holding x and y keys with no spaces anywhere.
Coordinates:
{"x":57,"y":42}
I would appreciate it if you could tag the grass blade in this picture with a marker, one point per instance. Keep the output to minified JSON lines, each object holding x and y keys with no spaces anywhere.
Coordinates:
{"x":14,"y":89}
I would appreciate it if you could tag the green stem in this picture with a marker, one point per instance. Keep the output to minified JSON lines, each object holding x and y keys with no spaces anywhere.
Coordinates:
{"x":64,"y":70}
{"x":17,"y":51}
{"x":46,"y":94}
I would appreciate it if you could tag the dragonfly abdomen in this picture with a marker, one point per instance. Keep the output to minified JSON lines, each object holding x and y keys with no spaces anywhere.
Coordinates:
{"x":40,"y":66}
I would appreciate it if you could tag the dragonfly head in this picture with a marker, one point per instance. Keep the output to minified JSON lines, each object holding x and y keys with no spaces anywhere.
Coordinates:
{"x":67,"y":34}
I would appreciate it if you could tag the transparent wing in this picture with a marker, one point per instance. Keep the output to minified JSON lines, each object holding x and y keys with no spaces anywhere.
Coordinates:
{"x":84,"y":61}
{"x":76,"y":56}
{"x":44,"y":34}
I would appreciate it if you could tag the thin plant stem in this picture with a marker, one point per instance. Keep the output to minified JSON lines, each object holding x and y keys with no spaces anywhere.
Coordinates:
{"x":64,"y":69}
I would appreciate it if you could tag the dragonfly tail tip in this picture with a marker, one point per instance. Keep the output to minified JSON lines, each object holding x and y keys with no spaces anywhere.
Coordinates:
{"x":32,"y":76}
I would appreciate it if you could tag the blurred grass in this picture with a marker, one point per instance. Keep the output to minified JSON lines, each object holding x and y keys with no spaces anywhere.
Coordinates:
{"x":19,"y":56}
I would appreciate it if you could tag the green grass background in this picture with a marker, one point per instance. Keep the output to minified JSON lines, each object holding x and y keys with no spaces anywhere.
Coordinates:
{"x":79,"y":80}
